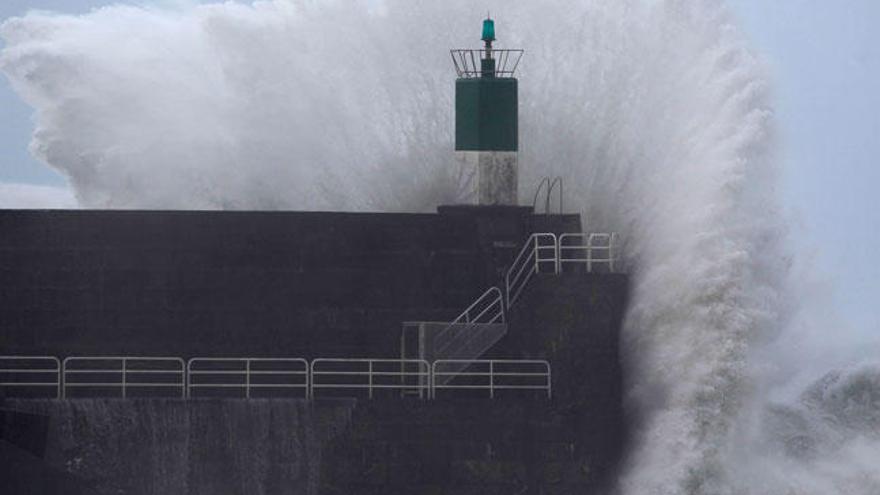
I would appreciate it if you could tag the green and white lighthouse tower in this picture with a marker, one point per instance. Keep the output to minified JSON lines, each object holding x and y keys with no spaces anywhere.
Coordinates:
{"x":486,"y":121}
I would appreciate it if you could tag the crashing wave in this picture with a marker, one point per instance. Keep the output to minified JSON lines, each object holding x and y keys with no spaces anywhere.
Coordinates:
{"x":656,"y":113}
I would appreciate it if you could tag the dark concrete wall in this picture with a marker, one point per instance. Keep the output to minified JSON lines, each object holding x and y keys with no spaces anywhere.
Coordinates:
{"x":234,"y":283}
{"x":523,"y":443}
{"x":311,"y":285}
{"x":459,"y":447}
{"x":23,"y":473}
{"x":210,"y":447}
{"x":574,"y":321}
{"x":23,"y":470}
{"x":26,"y":431}
{"x":326,"y":447}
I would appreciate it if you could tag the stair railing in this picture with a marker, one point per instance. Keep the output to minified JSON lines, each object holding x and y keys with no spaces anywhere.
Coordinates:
{"x":493,"y":312}
{"x":539,"y":250}
{"x":486,"y":309}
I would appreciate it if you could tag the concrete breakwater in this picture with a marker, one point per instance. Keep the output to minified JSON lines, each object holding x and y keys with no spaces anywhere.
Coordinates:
{"x":326,"y":446}
{"x":217,"y":447}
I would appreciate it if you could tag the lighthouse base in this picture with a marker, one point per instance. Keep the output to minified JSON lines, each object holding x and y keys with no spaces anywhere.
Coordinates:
{"x":488,"y":177}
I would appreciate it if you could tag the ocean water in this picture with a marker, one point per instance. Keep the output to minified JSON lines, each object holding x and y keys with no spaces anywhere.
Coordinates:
{"x":657,"y":114}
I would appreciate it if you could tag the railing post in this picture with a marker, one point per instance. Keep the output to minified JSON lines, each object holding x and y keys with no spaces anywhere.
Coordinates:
{"x":611,"y":253}
{"x":370,"y":375}
{"x":590,"y":254}
{"x":537,"y":253}
{"x":402,"y":361}
{"x":247,"y":379}
{"x":124,"y":375}
{"x":310,"y":392}
{"x":432,"y":392}
{"x":424,"y":380}
{"x":557,"y":250}
{"x":58,"y":380}
{"x":188,"y":379}
{"x":182,"y":379}
{"x":491,"y":379}
{"x":420,"y":378}
{"x":64,"y":378}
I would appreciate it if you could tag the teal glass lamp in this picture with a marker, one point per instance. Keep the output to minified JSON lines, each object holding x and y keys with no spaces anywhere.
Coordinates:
{"x":488,"y":30}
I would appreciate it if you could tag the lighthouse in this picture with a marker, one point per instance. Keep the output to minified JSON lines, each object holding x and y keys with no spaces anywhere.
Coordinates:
{"x":486,"y":121}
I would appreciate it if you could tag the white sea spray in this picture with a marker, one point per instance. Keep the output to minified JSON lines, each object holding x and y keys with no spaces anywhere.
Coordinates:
{"x":656,"y":114}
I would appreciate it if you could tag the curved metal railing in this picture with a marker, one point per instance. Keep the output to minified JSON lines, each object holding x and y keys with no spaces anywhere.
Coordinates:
{"x":30,"y":376}
{"x":550,"y":187}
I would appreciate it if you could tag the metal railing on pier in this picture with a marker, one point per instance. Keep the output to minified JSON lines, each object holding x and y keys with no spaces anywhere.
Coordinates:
{"x":127,"y":377}
{"x":123,"y":376}
{"x":546,"y":253}
{"x":347,"y":377}
{"x":247,"y":377}
{"x":588,"y":250}
{"x":492,"y":376}
{"x":30,"y":376}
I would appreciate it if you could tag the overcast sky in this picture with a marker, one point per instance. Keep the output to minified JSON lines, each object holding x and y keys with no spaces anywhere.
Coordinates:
{"x":825,"y":61}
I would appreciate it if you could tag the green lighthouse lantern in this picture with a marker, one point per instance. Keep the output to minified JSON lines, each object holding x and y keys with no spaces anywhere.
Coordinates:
{"x":486,"y":119}
{"x":488,"y":30}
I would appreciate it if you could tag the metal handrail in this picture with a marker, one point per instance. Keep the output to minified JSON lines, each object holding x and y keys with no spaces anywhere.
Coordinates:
{"x":584,"y":251}
{"x":492,"y":385}
{"x":125,"y":373}
{"x":556,"y":181}
{"x":528,"y":262}
{"x":371,"y":374}
{"x":428,"y":377}
{"x":551,"y":186}
{"x":248,"y":376}
{"x":497,"y":317}
{"x":6,"y":370}
{"x":491,"y":302}
{"x":544,"y":182}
